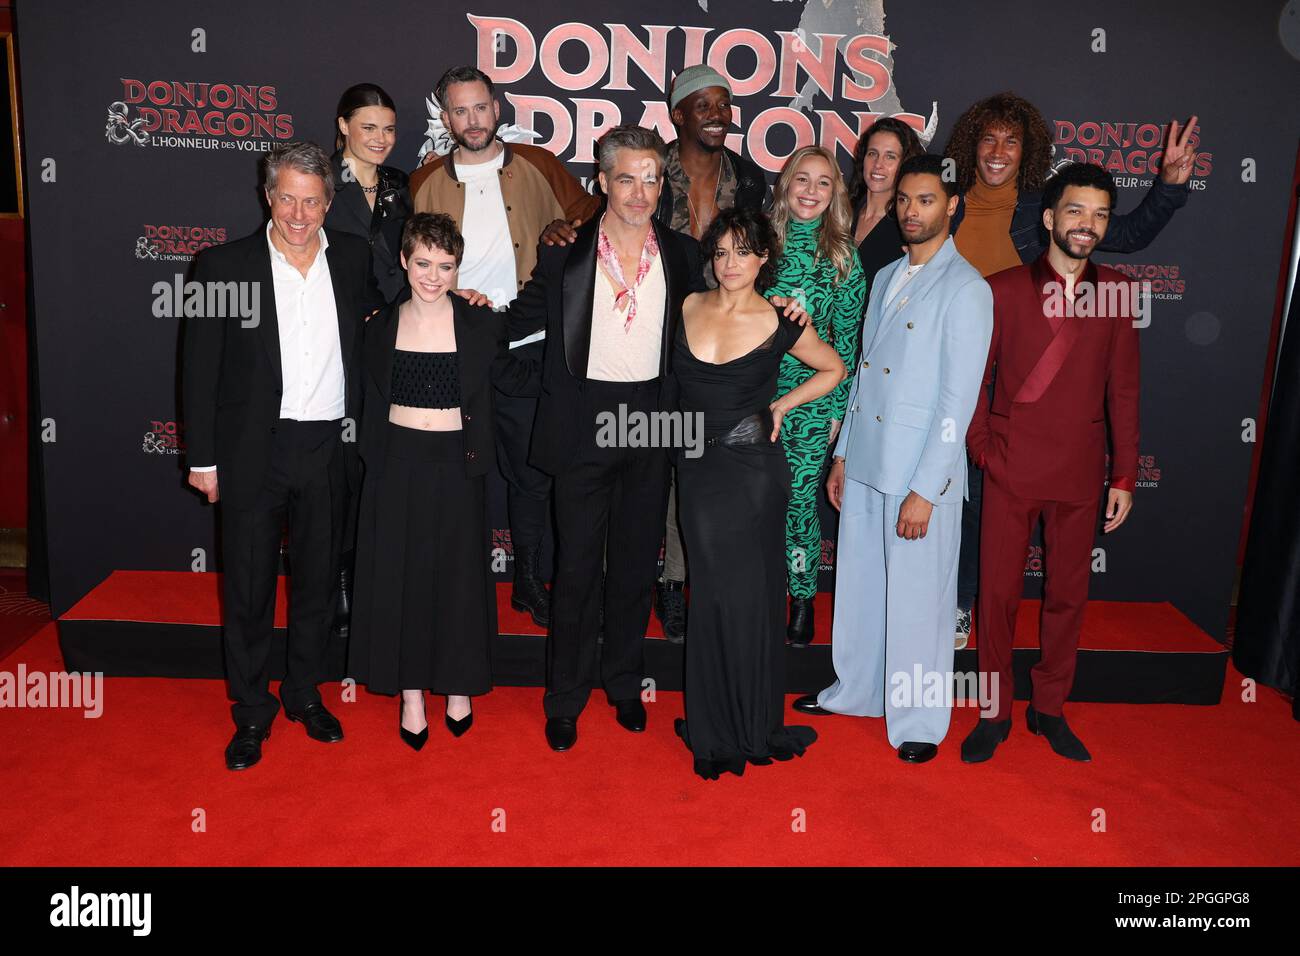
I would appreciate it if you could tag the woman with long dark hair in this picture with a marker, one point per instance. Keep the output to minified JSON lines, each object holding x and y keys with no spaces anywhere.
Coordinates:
{"x":371,"y":199}
{"x":885,"y":146}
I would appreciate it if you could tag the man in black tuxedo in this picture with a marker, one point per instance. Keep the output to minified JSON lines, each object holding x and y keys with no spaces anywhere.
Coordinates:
{"x":271,"y":406}
{"x":610,"y":302}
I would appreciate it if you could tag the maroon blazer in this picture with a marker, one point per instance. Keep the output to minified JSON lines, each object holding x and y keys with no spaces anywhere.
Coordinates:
{"x":1043,"y":435}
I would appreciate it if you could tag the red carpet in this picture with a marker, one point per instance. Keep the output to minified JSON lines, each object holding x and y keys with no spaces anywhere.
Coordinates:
{"x":1178,"y":785}
{"x":183,"y":597}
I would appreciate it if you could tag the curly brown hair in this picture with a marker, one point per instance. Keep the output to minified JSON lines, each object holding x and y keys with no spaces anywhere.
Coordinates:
{"x":907,"y":137}
{"x":1002,"y":109}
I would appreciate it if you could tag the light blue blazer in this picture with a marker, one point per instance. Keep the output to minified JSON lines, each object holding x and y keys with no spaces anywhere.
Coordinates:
{"x":916,"y":384}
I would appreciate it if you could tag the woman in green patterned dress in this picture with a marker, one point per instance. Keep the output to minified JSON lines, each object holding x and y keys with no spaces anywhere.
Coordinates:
{"x":819,"y":268}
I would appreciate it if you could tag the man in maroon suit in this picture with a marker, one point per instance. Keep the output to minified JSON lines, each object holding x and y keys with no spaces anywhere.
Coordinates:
{"x":1065,"y":347}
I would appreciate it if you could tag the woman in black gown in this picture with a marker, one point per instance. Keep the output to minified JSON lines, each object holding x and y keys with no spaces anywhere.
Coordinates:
{"x":733,"y":497}
{"x":886,"y":145}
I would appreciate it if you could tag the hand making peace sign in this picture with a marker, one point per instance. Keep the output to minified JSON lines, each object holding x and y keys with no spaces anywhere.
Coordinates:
{"x":1178,"y":160}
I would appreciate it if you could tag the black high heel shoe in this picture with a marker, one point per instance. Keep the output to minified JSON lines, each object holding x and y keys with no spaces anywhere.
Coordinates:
{"x":413,"y":740}
{"x":459,"y":727}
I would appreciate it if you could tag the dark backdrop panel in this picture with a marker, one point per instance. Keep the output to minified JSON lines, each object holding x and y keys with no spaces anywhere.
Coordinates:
{"x":111,"y":218}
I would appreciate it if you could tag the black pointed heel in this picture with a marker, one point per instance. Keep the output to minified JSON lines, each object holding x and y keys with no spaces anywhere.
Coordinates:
{"x":459,"y":727}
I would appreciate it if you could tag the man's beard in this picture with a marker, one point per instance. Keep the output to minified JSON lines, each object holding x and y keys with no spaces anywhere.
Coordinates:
{"x":925,"y":235}
{"x":464,"y":144}
{"x":1062,"y":241}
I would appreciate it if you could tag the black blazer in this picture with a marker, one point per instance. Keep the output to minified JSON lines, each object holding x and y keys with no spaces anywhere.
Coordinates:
{"x":558,"y":297}
{"x":480,"y":337}
{"x":232,"y":380}
{"x":381,"y":227}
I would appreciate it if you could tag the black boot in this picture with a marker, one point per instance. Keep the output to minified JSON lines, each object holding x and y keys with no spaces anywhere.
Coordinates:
{"x":984,"y":739}
{"x":800,"y":629}
{"x":343,"y":601}
{"x":670,"y":608}
{"x":529,"y":593}
{"x":1058,"y":734}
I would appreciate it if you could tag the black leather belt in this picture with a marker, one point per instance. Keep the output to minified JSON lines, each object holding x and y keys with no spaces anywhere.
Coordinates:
{"x":754,"y":429}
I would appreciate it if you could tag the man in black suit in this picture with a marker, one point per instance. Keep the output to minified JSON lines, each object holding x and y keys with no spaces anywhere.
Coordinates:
{"x":271,"y":406}
{"x":610,"y":302}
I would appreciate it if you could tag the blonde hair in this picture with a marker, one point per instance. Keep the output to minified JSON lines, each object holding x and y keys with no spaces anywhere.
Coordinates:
{"x":835,"y":241}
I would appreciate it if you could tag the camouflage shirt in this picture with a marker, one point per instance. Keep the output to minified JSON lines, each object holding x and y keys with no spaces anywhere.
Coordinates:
{"x":681,"y":187}
{"x":680,"y":184}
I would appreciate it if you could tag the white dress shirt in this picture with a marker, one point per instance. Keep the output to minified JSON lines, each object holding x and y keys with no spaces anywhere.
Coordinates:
{"x":311,"y":357}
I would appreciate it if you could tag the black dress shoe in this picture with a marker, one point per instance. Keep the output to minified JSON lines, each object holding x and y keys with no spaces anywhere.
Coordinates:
{"x":529,"y":593}
{"x":320,"y":723}
{"x":984,"y":739}
{"x":458,"y":727}
{"x":561,"y":732}
{"x":670,"y":608}
{"x":245,"y":748}
{"x":799,"y":631}
{"x":631,"y":714}
{"x":914,"y":752}
{"x":807,"y":704}
{"x":1058,"y":734}
{"x":343,"y":600}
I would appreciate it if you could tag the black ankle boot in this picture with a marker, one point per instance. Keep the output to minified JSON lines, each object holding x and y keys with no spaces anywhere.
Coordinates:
{"x":343,"y":602}
{"x":984,"y":739}
{"x":670,"y":608}
{"x":800,"y":629}
{"x":1058,"y":734}
{"x":529,"y":593}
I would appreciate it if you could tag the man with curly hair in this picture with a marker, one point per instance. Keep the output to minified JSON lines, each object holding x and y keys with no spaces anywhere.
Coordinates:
{"x":1002,"y":149}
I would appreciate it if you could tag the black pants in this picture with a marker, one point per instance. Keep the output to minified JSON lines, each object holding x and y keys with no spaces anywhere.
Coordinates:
{"x":307,"y":484}
{"x":609,"y":507}
{"x":528,"y":491}
{"x":968,"y":562}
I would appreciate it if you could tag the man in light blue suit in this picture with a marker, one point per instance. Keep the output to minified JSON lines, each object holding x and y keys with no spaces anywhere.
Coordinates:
{"x":899,"y":476}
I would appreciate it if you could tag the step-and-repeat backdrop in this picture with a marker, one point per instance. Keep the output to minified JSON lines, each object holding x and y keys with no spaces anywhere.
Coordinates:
{"x":144,"y":126}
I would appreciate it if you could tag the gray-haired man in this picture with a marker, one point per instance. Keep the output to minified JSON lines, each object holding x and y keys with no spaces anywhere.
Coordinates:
{"x":271,"y":402}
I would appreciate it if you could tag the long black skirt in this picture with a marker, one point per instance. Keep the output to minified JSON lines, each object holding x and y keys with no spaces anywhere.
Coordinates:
{"x":732,"y":504}
{"x":424,"y":604}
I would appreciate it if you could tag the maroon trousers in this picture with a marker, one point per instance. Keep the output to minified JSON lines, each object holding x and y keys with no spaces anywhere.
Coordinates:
{"x":1007,"y":522}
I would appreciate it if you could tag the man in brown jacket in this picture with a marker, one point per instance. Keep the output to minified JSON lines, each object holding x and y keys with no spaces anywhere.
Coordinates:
{"x":504,"y":196}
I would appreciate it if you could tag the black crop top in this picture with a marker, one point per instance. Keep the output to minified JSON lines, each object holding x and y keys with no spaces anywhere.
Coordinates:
{"x":425,"y":379}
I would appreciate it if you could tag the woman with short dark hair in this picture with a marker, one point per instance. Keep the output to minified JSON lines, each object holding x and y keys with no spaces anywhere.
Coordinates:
{"x":425,"y":611}
{"x":732,"y":497}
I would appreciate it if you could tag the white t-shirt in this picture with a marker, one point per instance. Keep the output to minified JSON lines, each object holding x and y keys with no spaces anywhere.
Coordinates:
{"x":489,"y":261}
{"x":900,"y":278}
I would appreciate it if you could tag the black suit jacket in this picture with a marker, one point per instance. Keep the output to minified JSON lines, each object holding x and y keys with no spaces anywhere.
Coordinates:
{"x":558,"y":297}
{"x":232,"y":380}
{"x":480,"y":338}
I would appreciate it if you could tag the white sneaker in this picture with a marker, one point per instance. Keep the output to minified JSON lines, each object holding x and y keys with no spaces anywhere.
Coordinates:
{"x":963,"y":628}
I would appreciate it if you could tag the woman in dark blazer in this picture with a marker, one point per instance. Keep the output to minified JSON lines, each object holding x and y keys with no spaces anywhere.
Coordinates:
{"x":425,"y":614}
{"x":371,"y":200}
